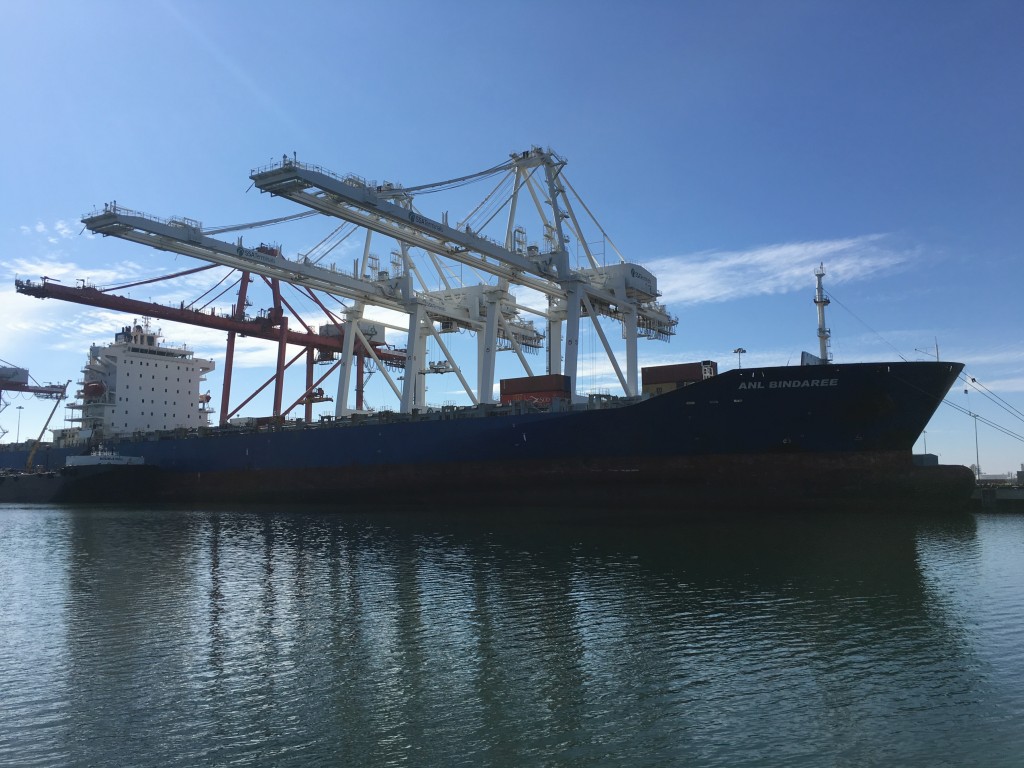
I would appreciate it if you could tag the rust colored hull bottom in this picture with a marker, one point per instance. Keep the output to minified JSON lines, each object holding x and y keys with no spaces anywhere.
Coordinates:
{"x":676,"y":485}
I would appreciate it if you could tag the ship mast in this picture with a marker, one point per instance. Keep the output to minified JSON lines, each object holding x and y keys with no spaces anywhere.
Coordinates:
{"x":822,"y":301}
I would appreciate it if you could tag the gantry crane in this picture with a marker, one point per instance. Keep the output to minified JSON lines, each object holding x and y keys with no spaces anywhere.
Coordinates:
{"x":474,"y":307}
{"x":14,"y":379}
{"x":624,"y":291}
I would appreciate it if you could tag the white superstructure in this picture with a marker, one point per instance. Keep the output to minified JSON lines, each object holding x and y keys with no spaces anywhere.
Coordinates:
{"x":137,"y":384}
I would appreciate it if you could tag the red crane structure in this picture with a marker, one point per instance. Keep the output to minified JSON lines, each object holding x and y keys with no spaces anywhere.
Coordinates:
{"x":272,"y":325}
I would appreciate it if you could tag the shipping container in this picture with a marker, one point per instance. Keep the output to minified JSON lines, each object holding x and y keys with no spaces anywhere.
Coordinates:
{"x":540,"y":399}
{"x":659,"y":379}
{"x":548,"y":383}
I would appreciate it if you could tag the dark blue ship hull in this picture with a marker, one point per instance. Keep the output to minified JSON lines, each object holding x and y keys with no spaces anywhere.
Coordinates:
{"x":104,"y":483}
{"x":787,"y":435}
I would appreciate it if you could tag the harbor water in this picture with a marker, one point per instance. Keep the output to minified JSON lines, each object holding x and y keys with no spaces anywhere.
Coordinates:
{"x":319,"y":637}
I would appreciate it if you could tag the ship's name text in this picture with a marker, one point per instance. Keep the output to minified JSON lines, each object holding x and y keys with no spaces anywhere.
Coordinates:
{"x":789,"y":384}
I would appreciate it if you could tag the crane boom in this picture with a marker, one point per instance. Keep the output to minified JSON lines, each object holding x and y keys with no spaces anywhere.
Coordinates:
{"x":46,"y":391}
{"x":258,"y":329}
{"x":185,"y":236}
{"x":370,"y":207}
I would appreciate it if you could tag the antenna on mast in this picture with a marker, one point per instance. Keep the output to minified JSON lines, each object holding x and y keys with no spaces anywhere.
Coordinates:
{"x":822,"y":301}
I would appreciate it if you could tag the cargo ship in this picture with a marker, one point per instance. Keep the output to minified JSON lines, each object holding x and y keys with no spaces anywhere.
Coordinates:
{"x":686,"y":437}
{"x":764,"y":437}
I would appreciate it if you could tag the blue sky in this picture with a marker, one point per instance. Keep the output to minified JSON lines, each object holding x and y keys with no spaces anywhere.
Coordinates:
{"x":728,"y":146}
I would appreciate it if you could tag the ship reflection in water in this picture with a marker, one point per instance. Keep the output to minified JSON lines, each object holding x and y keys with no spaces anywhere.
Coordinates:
{"x":299,"y":638}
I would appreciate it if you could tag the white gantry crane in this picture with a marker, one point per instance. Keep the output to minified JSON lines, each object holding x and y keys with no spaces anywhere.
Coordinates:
{"x":623,"y":291}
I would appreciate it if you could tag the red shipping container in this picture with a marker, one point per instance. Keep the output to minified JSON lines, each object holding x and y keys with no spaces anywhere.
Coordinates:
{"x":537,"y":398}
{"x":553,"y":382}
{"x":681,"y":373}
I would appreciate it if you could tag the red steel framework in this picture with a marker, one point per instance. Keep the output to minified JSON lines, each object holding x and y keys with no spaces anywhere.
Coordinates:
{"x":271,"y":326}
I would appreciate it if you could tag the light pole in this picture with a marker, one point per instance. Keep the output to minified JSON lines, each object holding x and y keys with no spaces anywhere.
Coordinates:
{"x":977,"y":454}
{"x":17,"y":435}
{"x":739,"y":351}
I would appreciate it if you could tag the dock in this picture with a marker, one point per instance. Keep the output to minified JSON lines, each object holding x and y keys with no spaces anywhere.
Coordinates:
{"x":999,"y":498}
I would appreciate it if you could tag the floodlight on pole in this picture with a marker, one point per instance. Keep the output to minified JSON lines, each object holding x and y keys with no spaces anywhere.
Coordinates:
{"x":977,"y":452}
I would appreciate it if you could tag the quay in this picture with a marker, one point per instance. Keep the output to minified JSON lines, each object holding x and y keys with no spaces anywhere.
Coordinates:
{"x":999,"y":498}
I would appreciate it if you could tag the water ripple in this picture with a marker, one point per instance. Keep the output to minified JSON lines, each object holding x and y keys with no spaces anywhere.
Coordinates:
{"x":182,"y":638}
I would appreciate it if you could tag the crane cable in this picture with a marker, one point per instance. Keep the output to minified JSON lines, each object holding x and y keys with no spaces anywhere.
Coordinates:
{"x":1013,"y":411}
{"x":986,"y":422}
{"x":255,"y":224}
{"x":440,"y":186}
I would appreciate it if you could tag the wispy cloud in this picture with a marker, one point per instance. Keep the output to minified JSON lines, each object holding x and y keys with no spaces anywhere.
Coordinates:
{"x":60,"y":269}
{"x":59,"y":230}
{"x":255,"y":353}
{"x":711,"y":276}
{"x":1006,"y":385}
{"x":1005,"y":355}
